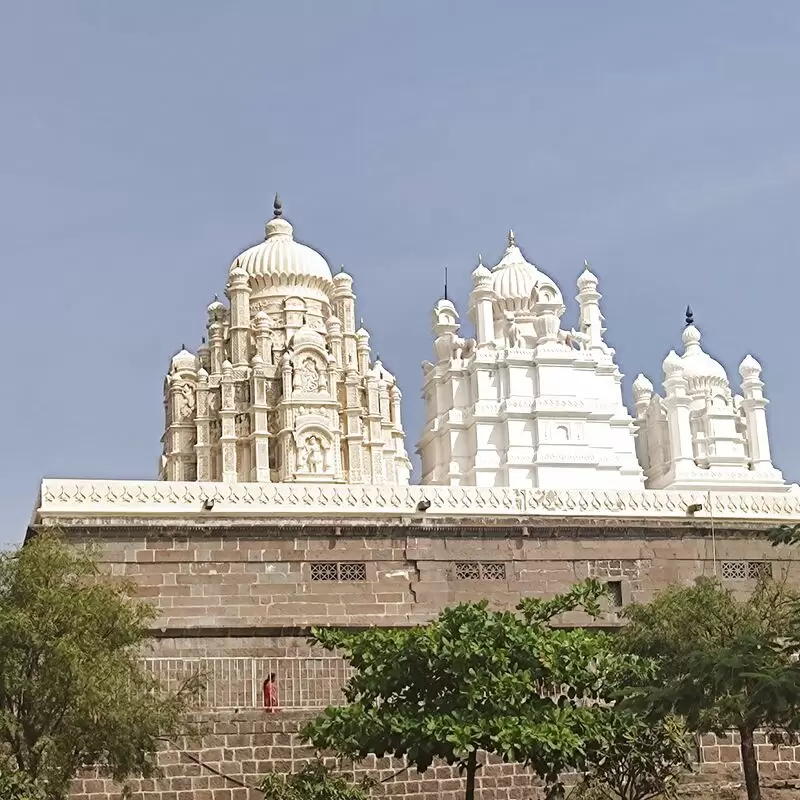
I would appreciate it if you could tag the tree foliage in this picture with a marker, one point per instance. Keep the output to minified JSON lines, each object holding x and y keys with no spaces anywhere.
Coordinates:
{"x":474,"y":679}
{"x":73,"y":690}
{"x":313,"y":782}
{"x":722,"y":662}
{"x":634,"y":758}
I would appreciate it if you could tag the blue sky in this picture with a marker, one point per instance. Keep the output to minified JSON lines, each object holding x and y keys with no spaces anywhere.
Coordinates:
{"x":142,"y":143}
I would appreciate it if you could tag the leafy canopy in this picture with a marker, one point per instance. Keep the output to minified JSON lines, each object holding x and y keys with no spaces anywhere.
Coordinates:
{"x":722,"y":662}
{"x":634,"y":758}
{"x":313,"y":782}
{"x":73,"y":690}
{"x":473,"y":679}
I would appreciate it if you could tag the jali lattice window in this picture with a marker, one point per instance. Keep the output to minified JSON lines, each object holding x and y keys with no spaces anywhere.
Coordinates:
{"x":480,"y":571}
{"x":338,"y":571}
{"x":745,"y":570}
{"x":614,"y":589}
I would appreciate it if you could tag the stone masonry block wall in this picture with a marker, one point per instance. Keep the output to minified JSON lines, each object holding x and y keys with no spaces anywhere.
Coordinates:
{"x":245,"y":746}
{"x":256,"y":579}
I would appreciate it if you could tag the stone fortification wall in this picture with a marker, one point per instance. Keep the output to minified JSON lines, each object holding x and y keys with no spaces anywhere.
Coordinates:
{"x":236,"y":749}
{"x":272,"y":581}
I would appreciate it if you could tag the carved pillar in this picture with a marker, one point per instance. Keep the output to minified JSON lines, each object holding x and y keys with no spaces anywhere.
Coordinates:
{"x":216,"y":337}
{"x":263,"y":335}
{"x":676,"y":403}
{"x":591,"y":320}
{"x":203,"y":446}
{"x":239,"y":295}
{"x":260,"y":438}
{"x":344,"y":308}
{"x":228,"y":419}
{"x":354,"y":436}
{"x":754,"y":404}
{"x":362,"y":349}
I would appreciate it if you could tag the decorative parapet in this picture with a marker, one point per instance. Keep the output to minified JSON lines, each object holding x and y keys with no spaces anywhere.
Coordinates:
{"x":70,"y":499}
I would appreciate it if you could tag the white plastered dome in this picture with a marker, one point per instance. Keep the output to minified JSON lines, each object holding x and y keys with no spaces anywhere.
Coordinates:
{"x":514,"y":280}
{"x":281,"y":264}
{"x":699,"y":366}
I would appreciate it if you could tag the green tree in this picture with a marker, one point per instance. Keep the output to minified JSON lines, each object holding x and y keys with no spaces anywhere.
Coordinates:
{"x":472,"y":680}
{"x":722,"y":662}
{"x":634,"y":758}
{"x":313,"y":782}
{"x":73,"y":690}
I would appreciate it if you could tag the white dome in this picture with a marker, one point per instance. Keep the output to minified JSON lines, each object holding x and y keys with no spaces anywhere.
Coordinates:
{"x":281,"y":261}
{"x":697,"y":364}
{"x":514,"y":279}
{"x":183,"y":361}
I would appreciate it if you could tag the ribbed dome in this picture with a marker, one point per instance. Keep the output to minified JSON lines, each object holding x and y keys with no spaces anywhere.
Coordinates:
{"x":514,"y":279}
{"x":697,"y":364}
{"x":281,"y":261}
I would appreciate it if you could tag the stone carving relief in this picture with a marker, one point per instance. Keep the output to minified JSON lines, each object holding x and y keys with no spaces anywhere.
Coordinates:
{"x":241,"y":393}
{"x":309,"y":378}
{"x":186,"y":401}
{"x":314,"y":455}
{"x":242,"y":425}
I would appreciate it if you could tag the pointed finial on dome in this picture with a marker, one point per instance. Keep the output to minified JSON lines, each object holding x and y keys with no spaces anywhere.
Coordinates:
{"x":202,"y":340}
{"x":689,"y":316}
{"x":183,"y":346}
{"x":480,"y":259}
{"x":277,"y":206}
{"x":512,"y":240}
{"x":341,"y":267}
{"x":445,"y":283}
{"x":361,"y":322}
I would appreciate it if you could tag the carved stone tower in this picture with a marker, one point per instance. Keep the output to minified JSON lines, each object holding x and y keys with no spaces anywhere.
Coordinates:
{"x":285,"y":388}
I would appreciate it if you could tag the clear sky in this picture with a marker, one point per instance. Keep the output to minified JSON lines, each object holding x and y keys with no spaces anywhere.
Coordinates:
{"x":142,"y":142}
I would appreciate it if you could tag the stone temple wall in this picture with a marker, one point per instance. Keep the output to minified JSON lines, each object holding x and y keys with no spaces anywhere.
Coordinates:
{"x":242,"y":598}
{"x":236,"y":749}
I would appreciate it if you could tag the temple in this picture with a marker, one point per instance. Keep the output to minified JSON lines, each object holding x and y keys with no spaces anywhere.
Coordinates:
{"x":526,"y":403}
{"x":283,"y":501}
{"x":284,"y":388}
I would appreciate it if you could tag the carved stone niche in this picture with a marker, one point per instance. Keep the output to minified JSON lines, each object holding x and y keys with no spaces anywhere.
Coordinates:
{"x":316,"y":458}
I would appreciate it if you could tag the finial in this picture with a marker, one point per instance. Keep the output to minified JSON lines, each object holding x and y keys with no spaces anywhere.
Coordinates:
{"x":361,"y":322}
{"x":183,"y":346}
{"x":586,"y":263}
{"x":689,"y":316}
{"x":341,"y":267}
{"x":377,"y":358}
{"x":202,"y":340}
{"x":216,"y":298}
{"x":512,"y":240}
{"x":445,"y":283}
{"x":480,"y":259}
{"x":277,"y":206}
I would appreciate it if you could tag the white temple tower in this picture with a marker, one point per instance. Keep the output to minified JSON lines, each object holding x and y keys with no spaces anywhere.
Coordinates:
{"x":285,"y":388}
{"x":699,"y":435}
{"x":525,"y":403}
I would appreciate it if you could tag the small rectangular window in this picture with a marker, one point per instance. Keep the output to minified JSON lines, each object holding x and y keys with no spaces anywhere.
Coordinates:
{"x":480,"y":571}
{"x":614,"y":589}
{"x":759,"y":570}
{"x":338,"y":571}
{"x":745,"y":570}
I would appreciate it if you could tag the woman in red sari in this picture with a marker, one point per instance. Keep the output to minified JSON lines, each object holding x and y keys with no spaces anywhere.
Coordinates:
{"x":271,"y":693}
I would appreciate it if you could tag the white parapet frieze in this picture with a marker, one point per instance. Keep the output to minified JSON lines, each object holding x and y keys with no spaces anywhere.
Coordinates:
{"x":193,"y":501}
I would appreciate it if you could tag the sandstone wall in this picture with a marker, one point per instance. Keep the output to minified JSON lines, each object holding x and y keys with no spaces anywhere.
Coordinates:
{"x":245,"y":746}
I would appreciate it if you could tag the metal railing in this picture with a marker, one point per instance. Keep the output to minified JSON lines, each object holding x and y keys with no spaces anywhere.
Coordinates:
{"x":237,"y":683}
{"x":302,"y":682}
